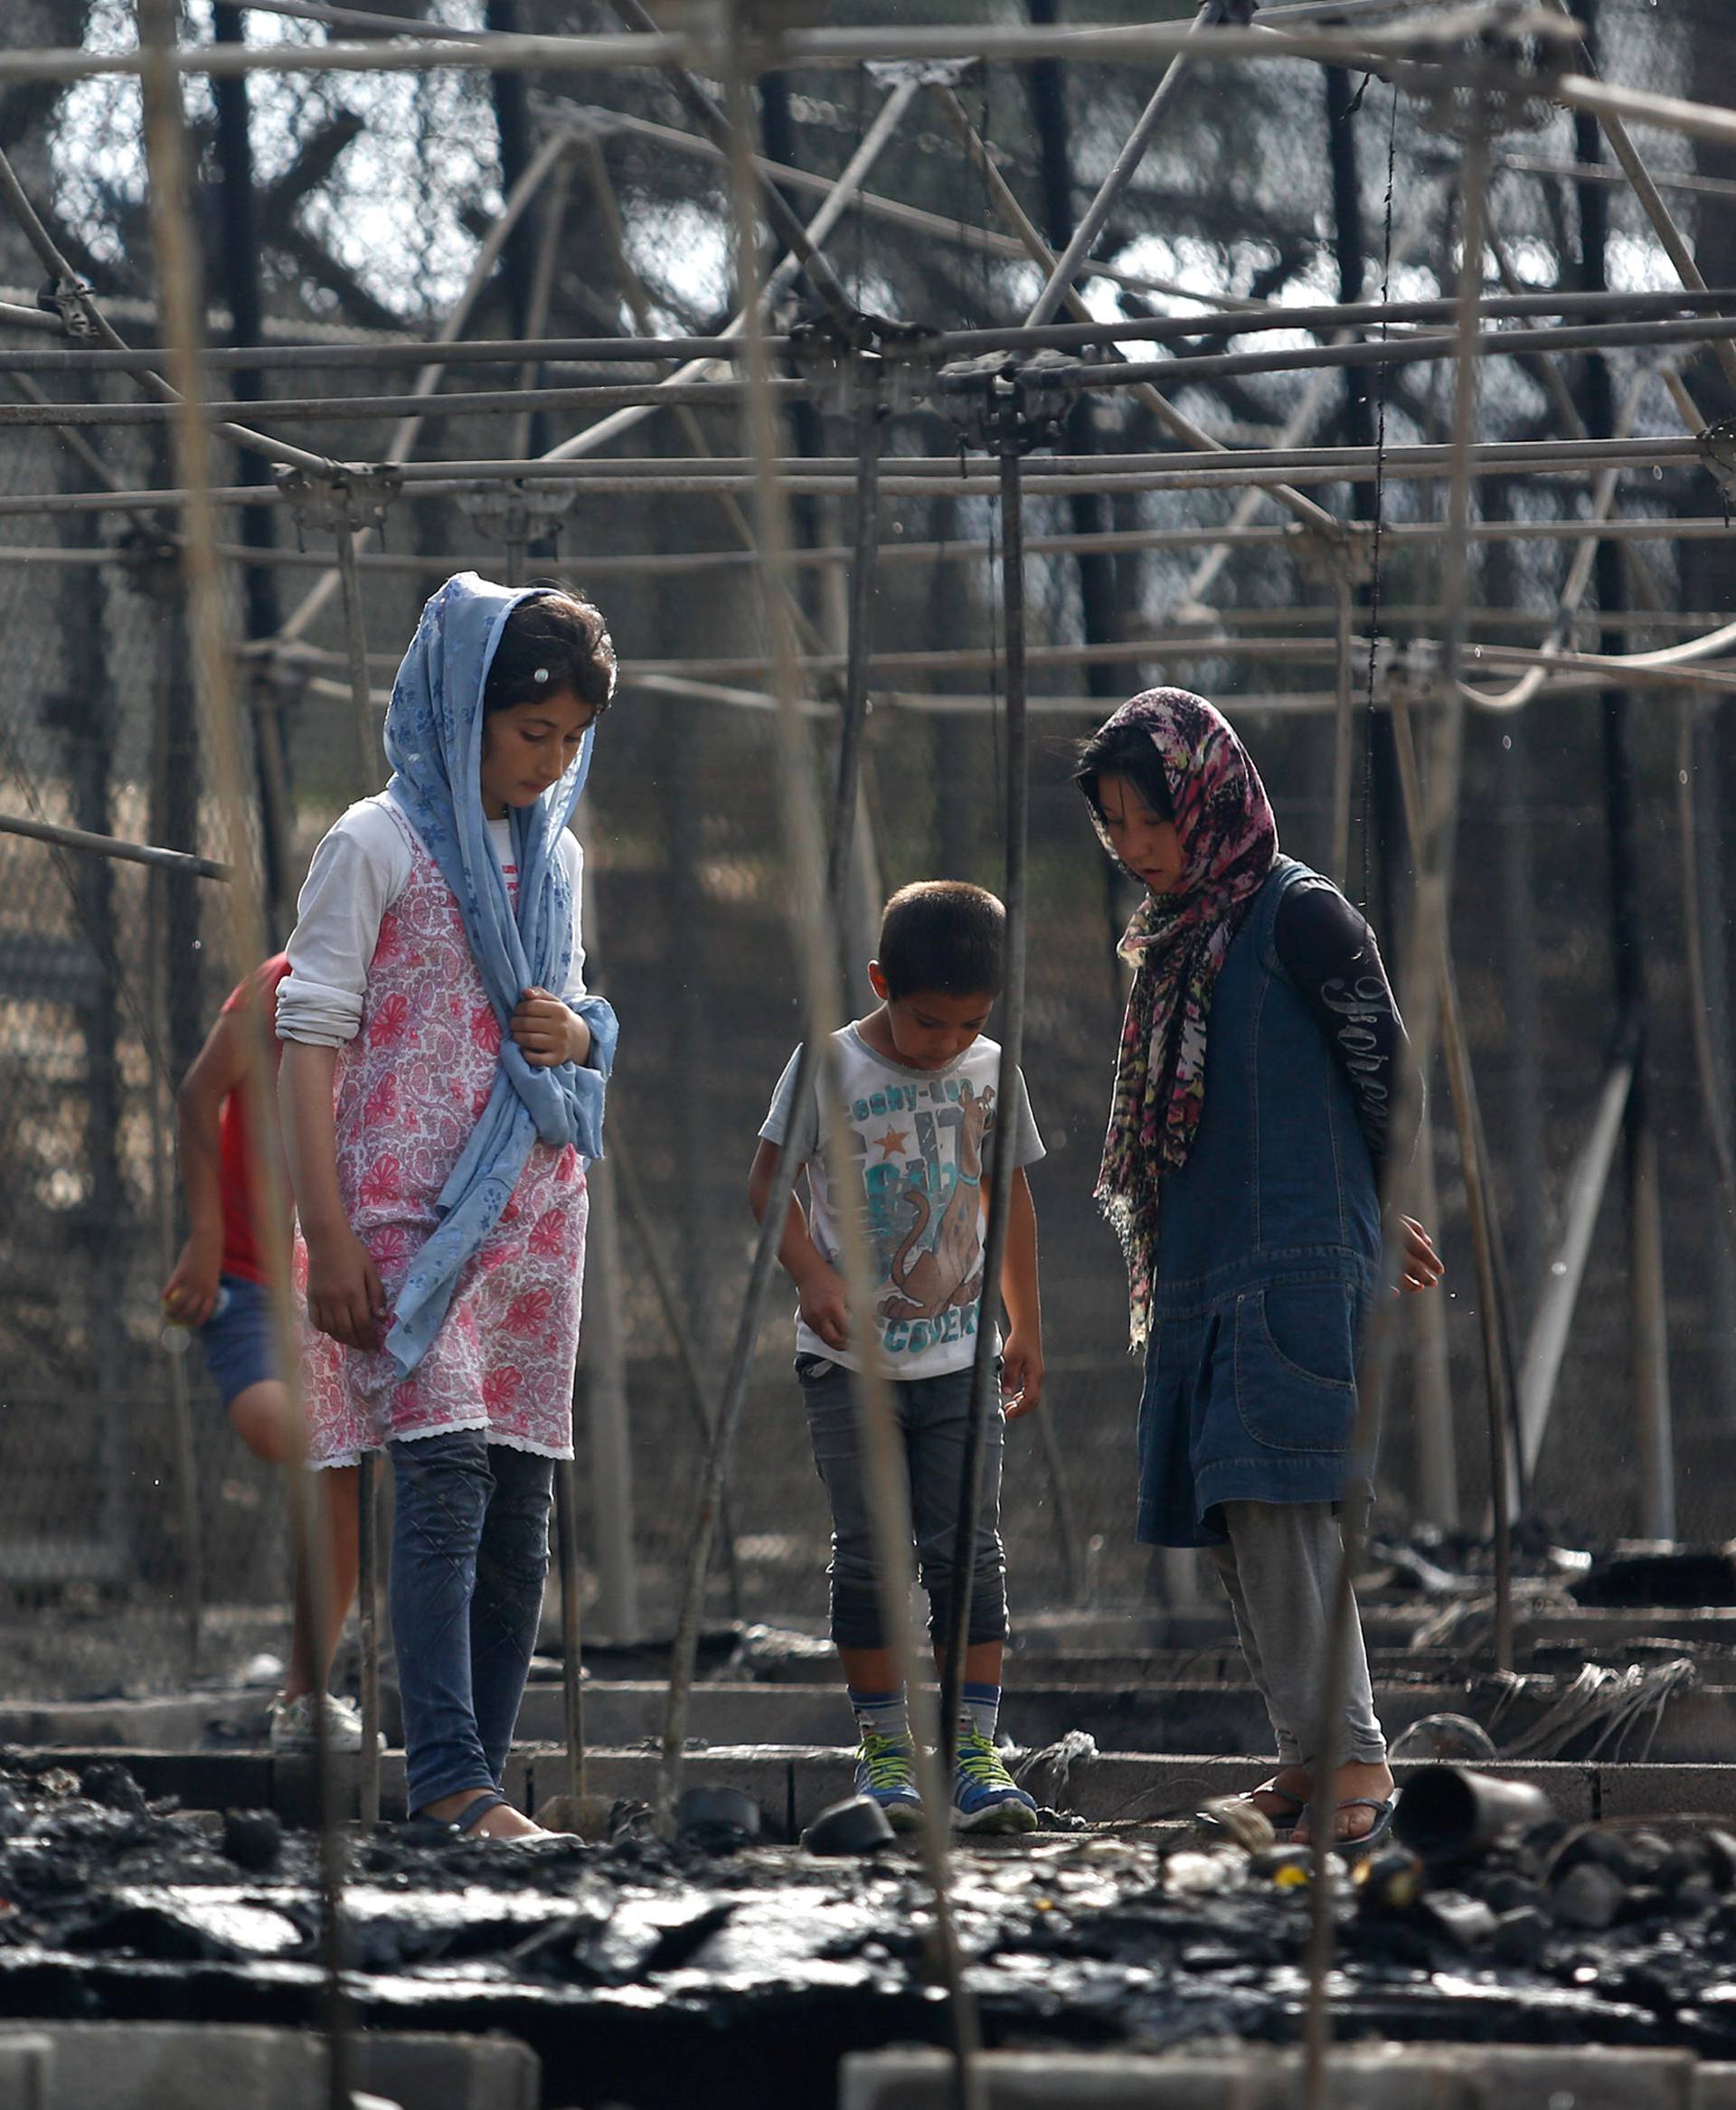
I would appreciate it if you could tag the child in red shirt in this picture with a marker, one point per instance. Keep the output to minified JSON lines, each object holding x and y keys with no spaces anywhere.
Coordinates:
{"x":219,"y":1288}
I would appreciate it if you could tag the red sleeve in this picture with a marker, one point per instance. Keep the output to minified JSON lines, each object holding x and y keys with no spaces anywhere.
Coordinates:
{"x":260,"y":986}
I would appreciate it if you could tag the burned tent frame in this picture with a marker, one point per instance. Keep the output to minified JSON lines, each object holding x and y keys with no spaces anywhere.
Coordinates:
{"x":1006,"y":389}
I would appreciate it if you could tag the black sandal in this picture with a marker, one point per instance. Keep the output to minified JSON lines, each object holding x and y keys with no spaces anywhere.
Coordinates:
{"x":1365,"y":1841}
{"x":474,"y":1813}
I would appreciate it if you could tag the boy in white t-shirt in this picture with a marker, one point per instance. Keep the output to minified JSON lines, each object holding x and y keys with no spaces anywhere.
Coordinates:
{"x":922,"y":1095}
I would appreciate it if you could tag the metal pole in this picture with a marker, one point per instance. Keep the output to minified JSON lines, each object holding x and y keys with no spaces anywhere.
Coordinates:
{"x":1546,"y":1344}
{"x":1693,"y":924}
{"x":1480,"y":1208}
{"x":1066,"y":267}
{"x":1413,"y":50}
{"x":175,"y":241}
{"x":606,"y":1414}
{"x":696,"y":1383}
{"x":367,"y":1622}
{"x":367,"y":1519}
{"x":572,"y":1671}
{"x":1236,"y":319}
{"x":1650,"y":1346}
{"x":710,"y":1505}
{"x":110,"y":846}
{"x":1434,"y":863}
{"x":355,"y":646}
{"x":241,"y":255}
{"x":1343,"y":742}
{"x":887,"y":1470}
{"x":1431,"y":1390}
{"x":605,"y":1367}
{"x":859,"y":644}
{"x":1000,"y":1159}
{"x":186,"y":1464}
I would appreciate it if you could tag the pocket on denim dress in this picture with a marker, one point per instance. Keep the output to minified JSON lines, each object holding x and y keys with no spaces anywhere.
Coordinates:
{"x":1295,"y":1365}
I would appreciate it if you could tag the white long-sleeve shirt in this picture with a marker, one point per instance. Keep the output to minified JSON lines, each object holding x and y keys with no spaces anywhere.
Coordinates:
{"x":357,"y":872}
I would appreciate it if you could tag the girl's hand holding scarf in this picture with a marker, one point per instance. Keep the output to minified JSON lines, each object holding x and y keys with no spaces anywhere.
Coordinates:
{"x":547,"y":1034}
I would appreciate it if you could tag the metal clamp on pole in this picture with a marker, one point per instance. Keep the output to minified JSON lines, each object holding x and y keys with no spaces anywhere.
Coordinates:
{"x":72,"y":299}
{"x":1717,"y":445}
{"x":1499,"y":76}
{"x":517,"y":515}
{"x":836,"y":363}
{"x":359,"y":495}
{"x":150,"y":564}
{"x":1007,"y":405}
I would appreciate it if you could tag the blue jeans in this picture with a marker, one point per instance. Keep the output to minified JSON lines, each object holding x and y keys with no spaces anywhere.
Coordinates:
{"x":933,"y":1414}
{"x":469,"y":1554}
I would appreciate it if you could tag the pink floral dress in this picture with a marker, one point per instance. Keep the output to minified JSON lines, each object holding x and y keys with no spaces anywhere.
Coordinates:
{"x":410,"y":1088}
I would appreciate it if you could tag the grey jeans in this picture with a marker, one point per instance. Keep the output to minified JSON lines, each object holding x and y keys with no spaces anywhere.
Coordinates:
{"x":1280,"y":1569}
{"x":933,"y":1415}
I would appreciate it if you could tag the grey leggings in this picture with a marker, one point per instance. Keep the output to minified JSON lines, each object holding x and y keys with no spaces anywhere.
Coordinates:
{"x":1280,"y":1568}
{"x":933,"y":1414}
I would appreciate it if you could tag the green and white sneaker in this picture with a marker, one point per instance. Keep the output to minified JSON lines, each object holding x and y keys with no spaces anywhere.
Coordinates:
{"x":986,"y":1798}
{"x":886,"y":1774}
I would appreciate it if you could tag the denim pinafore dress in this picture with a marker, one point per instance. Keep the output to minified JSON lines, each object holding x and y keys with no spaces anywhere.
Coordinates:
{"x":1267,"y":1254}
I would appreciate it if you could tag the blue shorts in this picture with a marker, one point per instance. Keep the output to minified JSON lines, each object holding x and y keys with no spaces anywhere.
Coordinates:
{"x":241,"y":1348}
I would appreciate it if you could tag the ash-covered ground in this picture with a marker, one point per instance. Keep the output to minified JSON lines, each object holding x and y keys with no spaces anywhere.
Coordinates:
{"x":623,"y":1964}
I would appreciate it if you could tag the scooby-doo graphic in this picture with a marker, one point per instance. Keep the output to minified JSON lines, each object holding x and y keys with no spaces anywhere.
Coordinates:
{"x":929,"y":1278}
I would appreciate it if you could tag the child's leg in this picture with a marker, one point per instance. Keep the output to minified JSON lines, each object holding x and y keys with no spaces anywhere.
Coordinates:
{"x":442,"y":1484}
{"x":1290,"y":1775}
{"x":512,"y":1566}
{"x":1286,"y":1558}
{"x":940,"y":1432}
{"x":986,"y":1798}
{"x":877,"y":1697}
{"x":261,"y":1417}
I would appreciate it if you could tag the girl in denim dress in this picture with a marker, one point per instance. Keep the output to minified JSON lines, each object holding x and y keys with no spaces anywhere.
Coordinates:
{"x":1240,"y":1170}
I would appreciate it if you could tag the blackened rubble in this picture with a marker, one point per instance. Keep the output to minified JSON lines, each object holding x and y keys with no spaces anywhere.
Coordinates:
{"x":108,"y":1905}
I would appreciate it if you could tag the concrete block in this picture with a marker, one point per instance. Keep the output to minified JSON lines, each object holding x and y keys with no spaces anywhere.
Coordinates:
{"x":169,"y":2065}
{"x":294,"y":1788}
{"x":174,"y":1724}
{"x":26,"y":2069}
{"x":1714,"y":2088}
{"x":1396,"y":2077}
{"x":1666,"y":1791}
{"x":1552,"y":2076}
{"x":420,"y":2072}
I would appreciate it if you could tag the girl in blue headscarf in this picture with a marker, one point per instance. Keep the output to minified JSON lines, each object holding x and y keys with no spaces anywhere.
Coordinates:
{"x":442,"y":1091}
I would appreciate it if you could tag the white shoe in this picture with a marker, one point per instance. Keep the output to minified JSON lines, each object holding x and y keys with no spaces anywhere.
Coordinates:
{"x":293,"y":1726}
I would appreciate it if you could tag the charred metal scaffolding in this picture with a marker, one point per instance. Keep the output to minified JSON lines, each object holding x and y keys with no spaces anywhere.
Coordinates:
{"x":1008,"y":393}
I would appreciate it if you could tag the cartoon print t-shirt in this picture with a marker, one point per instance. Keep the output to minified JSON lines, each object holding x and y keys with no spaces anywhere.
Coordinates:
{"x":917,"y":1140}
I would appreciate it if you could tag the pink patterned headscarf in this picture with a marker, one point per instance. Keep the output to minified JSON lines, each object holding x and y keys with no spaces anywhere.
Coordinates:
{"x":1177,"y":941}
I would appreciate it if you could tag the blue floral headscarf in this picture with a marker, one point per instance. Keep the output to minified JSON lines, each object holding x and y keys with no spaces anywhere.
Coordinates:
{"x":434,"y":744}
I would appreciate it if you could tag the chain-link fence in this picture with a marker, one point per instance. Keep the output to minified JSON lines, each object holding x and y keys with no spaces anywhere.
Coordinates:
{"x":138,"y":1538}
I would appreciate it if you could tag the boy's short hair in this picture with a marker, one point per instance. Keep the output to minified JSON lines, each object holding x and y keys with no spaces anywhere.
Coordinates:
{"x":945,"y":935}
{"x":558,"y":640}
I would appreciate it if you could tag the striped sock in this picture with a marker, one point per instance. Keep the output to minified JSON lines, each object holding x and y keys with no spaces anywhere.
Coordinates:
{"x":882,"y":1714}
{"x":982,"y":1708}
